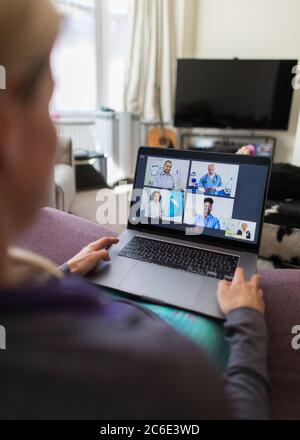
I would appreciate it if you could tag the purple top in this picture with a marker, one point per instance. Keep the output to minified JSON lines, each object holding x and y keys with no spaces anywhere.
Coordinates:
{"x":72,"y":353}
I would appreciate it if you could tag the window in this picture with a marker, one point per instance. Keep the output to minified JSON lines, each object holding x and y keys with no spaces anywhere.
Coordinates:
{"x":115,"y":13}
{"x":89,"y":57}
{"x":73,"y":60}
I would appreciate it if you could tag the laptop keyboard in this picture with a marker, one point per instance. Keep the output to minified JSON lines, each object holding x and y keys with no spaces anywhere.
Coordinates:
{"x":189,"y":259}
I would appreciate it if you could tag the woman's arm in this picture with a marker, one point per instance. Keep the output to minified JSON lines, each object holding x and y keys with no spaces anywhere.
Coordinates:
{"x":246,"y":377}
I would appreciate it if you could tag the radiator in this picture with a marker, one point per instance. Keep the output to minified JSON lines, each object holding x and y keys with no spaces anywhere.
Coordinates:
{"x":117,"y":135}
{"x":81,"y":133}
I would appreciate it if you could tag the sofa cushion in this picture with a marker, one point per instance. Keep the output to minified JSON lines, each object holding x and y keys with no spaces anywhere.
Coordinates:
{"x":59,"y":236}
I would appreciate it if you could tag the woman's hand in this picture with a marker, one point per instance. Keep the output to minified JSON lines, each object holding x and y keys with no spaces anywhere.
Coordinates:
{"x":91,"y":256}
{"x":241,"y":293}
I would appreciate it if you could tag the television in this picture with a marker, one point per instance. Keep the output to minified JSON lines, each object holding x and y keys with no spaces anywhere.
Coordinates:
{"x":235,"y":94}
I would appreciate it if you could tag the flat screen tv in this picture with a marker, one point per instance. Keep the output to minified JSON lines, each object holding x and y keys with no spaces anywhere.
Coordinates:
{"x":237,"y":94}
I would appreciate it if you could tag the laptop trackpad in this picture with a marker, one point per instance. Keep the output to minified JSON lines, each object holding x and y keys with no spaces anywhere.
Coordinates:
{"x":168,"y":285}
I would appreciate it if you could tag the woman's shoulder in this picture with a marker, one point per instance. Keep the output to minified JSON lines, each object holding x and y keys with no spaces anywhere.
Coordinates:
{"x":54,"y":292}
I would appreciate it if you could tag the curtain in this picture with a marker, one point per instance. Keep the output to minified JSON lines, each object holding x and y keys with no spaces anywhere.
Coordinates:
{"x":151,"y":59}
{"x":188,"y":21}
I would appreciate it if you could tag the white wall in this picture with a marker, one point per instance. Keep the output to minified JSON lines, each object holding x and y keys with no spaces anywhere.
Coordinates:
{"x":254,"y":29}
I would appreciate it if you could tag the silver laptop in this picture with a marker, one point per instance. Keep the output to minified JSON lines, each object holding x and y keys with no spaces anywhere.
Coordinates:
{"x":194,"y":218}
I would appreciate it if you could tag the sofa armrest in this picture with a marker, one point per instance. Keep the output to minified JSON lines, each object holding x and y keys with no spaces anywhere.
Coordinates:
{"x":59,"y":236}
{"x":64,"y":175}
{"x":65,"y":186}
{"x":65,"y":152}
{"x":282,"y":296}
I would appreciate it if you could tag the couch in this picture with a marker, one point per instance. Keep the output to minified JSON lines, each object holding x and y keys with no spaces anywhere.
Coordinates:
{"x":62,"y":190}
{"x":59,"y":236}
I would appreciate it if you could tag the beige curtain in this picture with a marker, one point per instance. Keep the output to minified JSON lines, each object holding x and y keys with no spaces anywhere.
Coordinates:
{"x":151,"y":59}
{"x":188,"y":22}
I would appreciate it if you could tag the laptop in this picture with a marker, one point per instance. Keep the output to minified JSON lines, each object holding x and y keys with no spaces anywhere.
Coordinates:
{"x":194,"y":218}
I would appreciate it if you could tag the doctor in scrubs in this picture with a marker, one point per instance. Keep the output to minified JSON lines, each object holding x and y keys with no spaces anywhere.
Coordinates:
{"x":206,"y":219}
{"x":211,"y":182}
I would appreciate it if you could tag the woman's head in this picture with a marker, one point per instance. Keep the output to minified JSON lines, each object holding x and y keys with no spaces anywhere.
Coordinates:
{"x":28,"y":29}
{"x":156,"y":197}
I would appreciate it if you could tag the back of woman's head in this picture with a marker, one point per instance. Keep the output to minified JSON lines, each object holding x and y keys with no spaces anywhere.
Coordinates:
{"x":28,"y":29}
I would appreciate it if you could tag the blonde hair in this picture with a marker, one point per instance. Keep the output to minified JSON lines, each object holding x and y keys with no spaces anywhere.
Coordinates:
{"x":26,"y":267}
{"x":28,"y":29}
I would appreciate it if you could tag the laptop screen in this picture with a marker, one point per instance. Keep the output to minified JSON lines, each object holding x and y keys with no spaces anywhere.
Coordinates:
{"x":203,"y":196}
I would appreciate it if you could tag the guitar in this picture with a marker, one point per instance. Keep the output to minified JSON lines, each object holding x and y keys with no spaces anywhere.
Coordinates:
{"x":161,"y":137}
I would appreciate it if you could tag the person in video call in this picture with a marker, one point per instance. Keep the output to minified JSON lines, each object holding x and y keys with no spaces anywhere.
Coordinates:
{"x":244,"y":232}
{"x":207,"y":220}
{"x":155,"y":208}
{"x":74,"y":350}
{"x":211,"y":182}
{"x":165,"y":178}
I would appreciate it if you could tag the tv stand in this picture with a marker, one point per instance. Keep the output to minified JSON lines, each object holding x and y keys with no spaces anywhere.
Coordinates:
{"x":228,"y":143}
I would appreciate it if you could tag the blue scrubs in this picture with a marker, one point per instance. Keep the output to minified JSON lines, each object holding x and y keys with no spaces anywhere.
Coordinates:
{"x":207,"y":222}
{"x":208,"y":182}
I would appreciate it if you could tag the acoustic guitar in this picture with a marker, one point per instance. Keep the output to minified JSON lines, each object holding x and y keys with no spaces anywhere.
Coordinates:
{"x":161,"y":137}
